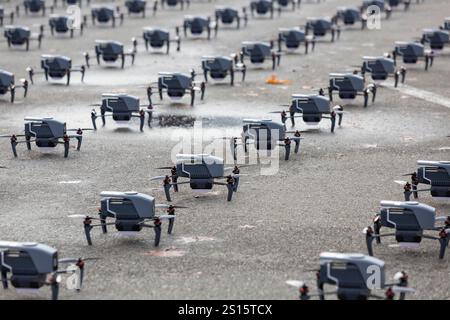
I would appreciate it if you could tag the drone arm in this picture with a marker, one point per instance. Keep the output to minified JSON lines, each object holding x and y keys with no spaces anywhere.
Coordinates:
{"x":81,"y":69}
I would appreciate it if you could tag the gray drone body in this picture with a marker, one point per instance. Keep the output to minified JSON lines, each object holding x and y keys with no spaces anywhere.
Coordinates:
{"x":349,"y":16}
{"x":227,"y":16}
{"x":267,"y":135}
{"x":46,"y":133}
{"x":409,"y":220}
{"x":437,"y":39}
{"x":32,"y":266}
{"x":219,"y":67}
{"x":62,"y":24}
{"x":197,"y":25}
{"x":57,"y":67}
{"x":353,"y":276}
{"x":258,"y":52}
{"x":201,"y":170}
{"x":320,"y":27}
{"x":412,"y":52}
{"x":437,"y":175}
{"x":293,"y":38}
{"x":21,"y":36}
{"x":7,"y":84}
{"x":174,"y":3}
{"x":349,"y":86}
{"x":111,"y":51}
{"x":158,"y":38}
{"x":131,"y":211}
{"x":106,"y":14}
{"x":263,"y":8}
{"x":139,"y":7}
{"x":121,"y":107}
{"x":34,"y":6}
{"x":177,"y":85}
{"x":381,"y":68}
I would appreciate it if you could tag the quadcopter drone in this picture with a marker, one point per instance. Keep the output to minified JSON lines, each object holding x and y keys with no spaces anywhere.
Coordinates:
{"x":292,"y":38}
{"x":176,"y":85}
{"x":219,"y":67}
{"x":62,"y":24}
{"x":258,"y":52}
{"x":106,"y":14}
{"x":131,"y":211}
{"x":349,"y":17}
{"x":158,"y":38}
{"x":433,"y":173}
{"x":4,"y":14}
{"x":351,"y":275}
{"x":139,"y":7}
{"x":121,"y":107}
{"x":7,"y":84}
{"x":174,"y":3}
{"x":19,"y":36}
{"x":349,"y":85}
{"x":284,"y":4}
{"x":110,"y":51}
{"x":227,"y":16}
{"x":262,"y":8}
{"x":312,"y":108}
{"x":381,"y":4}
{"x":202,"y":171}
{"x":321,"y":26}
{"x":446,"y":25}
{"x":380,"y":68}
{"x":412,"y":52}
{"x":47,"y":134}
{"x":74,"y":2}
{"x":409,"y":220}
{"x":266,"y":135}
{"x":197,"y":25}
{"x":34,"y":265}
{"x":436,"y":38}
{"x":397,"y":3}
{"x":57,"y":67}
{"x":35,"y":6}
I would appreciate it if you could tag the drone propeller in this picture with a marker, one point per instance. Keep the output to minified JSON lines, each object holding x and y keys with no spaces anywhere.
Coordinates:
{"x":164,"y":168}
{"x":295,"y":283}
{"x":166,"y":206}
{"x":82,"y":129}
{"x":3,"y":167}
{"x":398,"y":289}
{"x":166,"y":217}
{"x":158,"y":178}
{"x":81,"y":216}
{"x":401,"y":182}
{"x":407,"y":174}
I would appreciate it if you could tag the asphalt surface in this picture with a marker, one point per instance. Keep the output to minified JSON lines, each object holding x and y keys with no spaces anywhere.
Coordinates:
{"x":277,"y":225}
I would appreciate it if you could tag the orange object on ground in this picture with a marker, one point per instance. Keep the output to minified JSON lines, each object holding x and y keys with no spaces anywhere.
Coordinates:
{"x":273,"y":79}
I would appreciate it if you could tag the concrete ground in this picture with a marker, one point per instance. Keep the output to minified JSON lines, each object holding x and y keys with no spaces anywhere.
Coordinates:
{"x":276,"y":226}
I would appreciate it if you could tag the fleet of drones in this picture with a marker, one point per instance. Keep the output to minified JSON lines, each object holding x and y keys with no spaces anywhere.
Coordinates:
{"x":34,"y":265}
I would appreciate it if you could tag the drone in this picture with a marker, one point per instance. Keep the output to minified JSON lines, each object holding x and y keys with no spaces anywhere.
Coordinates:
{"x":258,"y":52}
{"x":131,"y":211}
{"x":219,"y":67}
{"x":62,"y":24}
{"x":409,"y":220}
{"x":19,"y":36}
{"x":7,"y":84}
{"x":446,"y":25}
{"x":202,"y":171}
{"x":47,"y":134}
{"x":121,"y":107}
{"x":321,"y":26}
{"x":436,"y":38}
{"x":34,"y":265}
{"x":263,"y":7}
{"x":382,"y":7}
{"x":74,"y":2}
{"x":349,"y":272}
{"x":35,"y":6}
{"x":266,"y":135}
{"x":110,"y":51}
{"x":380,"y":68}
{"x":227,"y":16}
{"x":396,"y":3}
{"x":349,"y":17}
{"x":284,"y":4}
{"x":57,"y":67}
{"x":158,"y":38}
{"x":197,"y":25}
{"x":106,"y":14}
{"x":139,"y":7}
{"x":312,"y":108}
{"x":433,"y":173}
{"x":349,"y":85}
{"x":4,"y":14}
{"x":292,"y":38}
{"x":412,"y":52}
{"x":176,"y":85}
{"x":174,"y":3}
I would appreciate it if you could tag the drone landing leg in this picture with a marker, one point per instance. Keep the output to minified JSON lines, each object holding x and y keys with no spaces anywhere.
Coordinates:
{"x":55,"y":290}
{"x":13,"y":146}
{"x":230,"y":191}
{"x":167,"y":192}
{"x":175,"y":185}
{"x":80,"y":139}
{"x":28,"y":138}
{"x":4,"y":280}
{"x":444,"y":241}
{"x":13,"y":94}
{"x":287,"y":147}
{"x":103,"y":224}
{"x":87,"y":232}
{"x":170,"y":228}
{"x":66,"y":149}
{"x":157,"y":229}
{"x":236,"y":184}
{"x":369,"y":243}
{"x":297,"y":145}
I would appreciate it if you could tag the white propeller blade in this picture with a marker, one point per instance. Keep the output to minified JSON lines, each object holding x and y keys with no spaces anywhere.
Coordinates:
{"x":295,"y":283}
{"x":398,"y":289}
{"x":401,"y":182}
{"x":158,"y":178}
